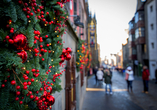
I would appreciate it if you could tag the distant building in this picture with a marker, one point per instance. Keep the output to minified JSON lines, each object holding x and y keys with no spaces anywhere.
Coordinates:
{"x":125,"y":54}
{"x":143,"y":37}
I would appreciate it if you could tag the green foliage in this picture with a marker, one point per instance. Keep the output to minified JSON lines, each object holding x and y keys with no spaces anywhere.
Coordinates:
{"x":11,"y":66}
{"x":79,"y":54}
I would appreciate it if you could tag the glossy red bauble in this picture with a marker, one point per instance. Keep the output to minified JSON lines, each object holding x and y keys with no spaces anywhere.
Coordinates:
{"x":32,"y":80}
{"x":68,"y":49}
{"x":68,"y":57}
{"x":20,"y":41}
{"x":31,"y":96}
{"x":23,"y":55}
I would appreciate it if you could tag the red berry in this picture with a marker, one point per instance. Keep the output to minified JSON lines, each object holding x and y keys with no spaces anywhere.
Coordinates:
{"x":43,"y":19}
{"x":7,"y":37}
{"x":5,"y":80}
{"x":49,"y":51}
{"x":11,"y":31}
{"x":41,"y":46}
{"x":29,"y":83}
{"x":11,"y":41}
{"x":30,"y":92}
{"x":32,"y":80}
{"x":16,"y":98}
{"x":26,"y":77}
{"x":42,"y":12}
{"x":46,"y":36}
{"x":37,"y":70}
{"x":20,"y":102}
{"x":31,"y":14}
{"x":31,"y":96}
{"x":3,"y":85}
{"x":37,"y":92}
{"x":18,"y":93}
{"x":17,"y":87}
{"x":25,"y":87}
{"x":47,"y":45}
{"x":24,"y":9}
{"x":13,"y":82}
{"x":51,"y":21}
{"x":36,"y":98}
{"x":38,"y":10}
{"x":40,"y":55}
{"x":45,"y":50}
{"x":27,"y":72}
{"x":25,"y":83}
{"x":41,"y":89}
{"x":20,"y":2}
{"x":42,"y":16}
{"x":28,"y":16}
{"x":28,"y":12}
{"x":25,"y":4}
{"x":43,"y":59}
{"x":42,"y":49}
{"x":39,"y":17}
{"x":33,"y":70}
{"x":47,"y":13}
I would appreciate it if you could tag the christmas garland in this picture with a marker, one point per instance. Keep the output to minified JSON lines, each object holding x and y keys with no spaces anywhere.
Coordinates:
{"x":31,"y":43}
{"x":83,"y":58}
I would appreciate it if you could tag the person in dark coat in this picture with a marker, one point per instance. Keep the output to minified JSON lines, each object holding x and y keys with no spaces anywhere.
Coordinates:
{"x":145,"y":77}
{"x":95,"y":71}
{"x":107,"y":79}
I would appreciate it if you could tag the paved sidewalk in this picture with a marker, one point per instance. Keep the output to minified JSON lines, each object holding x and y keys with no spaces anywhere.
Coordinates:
{"x":97,"y":99}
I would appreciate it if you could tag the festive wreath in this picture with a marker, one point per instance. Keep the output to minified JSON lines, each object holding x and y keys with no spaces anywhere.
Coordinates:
{"x":31,"y":44}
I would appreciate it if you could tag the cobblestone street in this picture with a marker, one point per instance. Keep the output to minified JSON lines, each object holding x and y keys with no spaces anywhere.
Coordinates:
{"x":97,"y":99}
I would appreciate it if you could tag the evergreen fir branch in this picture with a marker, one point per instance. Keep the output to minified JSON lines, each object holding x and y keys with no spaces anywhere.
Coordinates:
{"x":11,"y":11}
{"x":21,"y":15}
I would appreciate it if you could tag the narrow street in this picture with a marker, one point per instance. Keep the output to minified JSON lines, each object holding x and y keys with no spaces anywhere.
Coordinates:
{"x":97,"y":99}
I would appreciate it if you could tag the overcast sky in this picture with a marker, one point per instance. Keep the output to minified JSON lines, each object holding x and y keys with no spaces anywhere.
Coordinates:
{"x":112,"y":17}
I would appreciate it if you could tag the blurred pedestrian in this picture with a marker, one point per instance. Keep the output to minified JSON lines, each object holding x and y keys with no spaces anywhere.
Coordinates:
{"x":107,"y":80}
{"x":145,"y":77}
{"x":95,"y":72}
{"x":99,"y":75}
{"x":156,"y":76}
{"x":129,"y":77}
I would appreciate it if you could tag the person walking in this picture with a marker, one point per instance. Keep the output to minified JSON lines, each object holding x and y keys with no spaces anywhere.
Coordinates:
{"x":145,"y":77}
{"x":156,"y":76}
{"x":129,"y":77}
{"x":107,"y":80}
{"x":99,"y":75}
{"x":95,"y":72}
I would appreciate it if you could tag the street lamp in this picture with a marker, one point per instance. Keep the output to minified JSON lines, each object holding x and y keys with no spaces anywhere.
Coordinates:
{"x":77,"y":21}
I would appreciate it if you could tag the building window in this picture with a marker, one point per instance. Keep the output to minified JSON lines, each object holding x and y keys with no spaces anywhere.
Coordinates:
{"x":151,"y":8}
{"x":139,"y":32}
{"x":152,"y":26}
{"x":152,"y":45}
{"x":75,"y":7}
{"x":139,"y":16}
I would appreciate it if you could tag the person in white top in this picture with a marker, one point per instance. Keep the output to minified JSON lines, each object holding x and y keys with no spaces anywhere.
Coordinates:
{"x":129,"y":77}
{"x":99,"y":75}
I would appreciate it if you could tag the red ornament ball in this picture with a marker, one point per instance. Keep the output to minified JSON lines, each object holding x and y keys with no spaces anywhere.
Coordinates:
{"x":68,"y":57}
{"x":23,"y":55}
{"x":20,"y":41}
